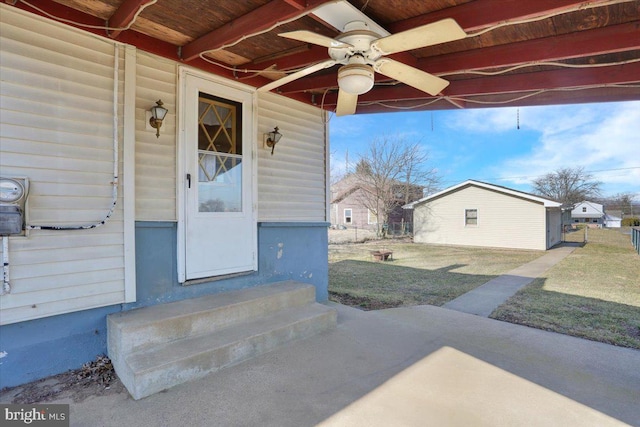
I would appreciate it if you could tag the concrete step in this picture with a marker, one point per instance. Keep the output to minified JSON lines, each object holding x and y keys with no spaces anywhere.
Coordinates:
{"x":157,"y":347}
{"x":170,"y":364}
{"x":146,"y":327}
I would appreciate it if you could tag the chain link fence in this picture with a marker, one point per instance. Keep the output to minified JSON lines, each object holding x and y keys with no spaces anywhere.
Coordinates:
{"x":342,"y":234}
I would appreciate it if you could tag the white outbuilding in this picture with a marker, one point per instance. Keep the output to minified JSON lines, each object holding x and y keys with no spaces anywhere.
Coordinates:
{"x":475,"y":213}
{"x":612,"y":221}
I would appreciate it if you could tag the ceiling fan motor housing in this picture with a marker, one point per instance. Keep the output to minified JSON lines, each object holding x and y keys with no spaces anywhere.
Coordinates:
{"x":355,"y":78}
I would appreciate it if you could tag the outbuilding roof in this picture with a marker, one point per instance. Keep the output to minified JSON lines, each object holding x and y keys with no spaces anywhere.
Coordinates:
{"x":492,"y":187}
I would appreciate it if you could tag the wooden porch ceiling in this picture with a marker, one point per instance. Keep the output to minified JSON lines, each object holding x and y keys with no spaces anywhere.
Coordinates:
{"x":516,"y":52}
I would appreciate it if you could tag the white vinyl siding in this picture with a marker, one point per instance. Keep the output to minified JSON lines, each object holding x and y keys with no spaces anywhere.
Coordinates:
{"x":56,"y":129}
{"x":503,"y":220}
{"x":155,"y":157}
{"x":292,"y":182}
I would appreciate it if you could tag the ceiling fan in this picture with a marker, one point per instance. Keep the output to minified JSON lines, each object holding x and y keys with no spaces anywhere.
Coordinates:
{"x":361,"y":52}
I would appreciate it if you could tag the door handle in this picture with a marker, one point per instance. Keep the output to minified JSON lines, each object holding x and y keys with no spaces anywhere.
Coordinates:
{"x":188,"y":180}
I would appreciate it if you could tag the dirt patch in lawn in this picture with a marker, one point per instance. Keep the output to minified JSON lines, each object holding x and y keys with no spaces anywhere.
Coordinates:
{"x":363,"y":303}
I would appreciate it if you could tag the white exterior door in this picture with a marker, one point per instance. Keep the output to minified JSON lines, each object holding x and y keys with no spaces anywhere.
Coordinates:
{"x":219,"y":228}
{"x":554,"y":228}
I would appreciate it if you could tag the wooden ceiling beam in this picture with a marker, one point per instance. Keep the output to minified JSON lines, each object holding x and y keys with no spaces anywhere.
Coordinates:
{"x":514,"y":83}
{"x":595,"y":95}
{"x":480,"y":14}
{"x":298,"y":4}
{"x":313,"y":55}
{"x":124,"y":15}
{"x":553,"y":79}
{"x":599,"y":41}
{"x":257,"y":20}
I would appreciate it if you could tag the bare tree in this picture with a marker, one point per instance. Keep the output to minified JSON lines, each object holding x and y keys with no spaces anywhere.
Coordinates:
{"x":335,"y":173}
{"x":621,"y":201}
{"x":567,"y":185}
{"x":391,"y":173}
{"x":416,"y":172}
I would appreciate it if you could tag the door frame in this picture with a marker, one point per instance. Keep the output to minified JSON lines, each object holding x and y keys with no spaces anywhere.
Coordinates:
{"x":181,"y":158}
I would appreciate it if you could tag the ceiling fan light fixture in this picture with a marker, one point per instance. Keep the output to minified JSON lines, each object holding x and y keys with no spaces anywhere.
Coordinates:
{"x":355,"y":78}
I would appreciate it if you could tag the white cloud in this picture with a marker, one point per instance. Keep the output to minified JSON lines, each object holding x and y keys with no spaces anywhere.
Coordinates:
{"x":597,"y":137}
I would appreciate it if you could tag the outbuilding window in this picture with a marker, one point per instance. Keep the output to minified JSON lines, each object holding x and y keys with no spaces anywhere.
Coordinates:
{"x":470,"y":217}
{"x":347,"y":216}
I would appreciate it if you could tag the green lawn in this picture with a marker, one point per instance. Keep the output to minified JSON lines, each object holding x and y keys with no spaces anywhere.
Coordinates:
{"x":418,"y":274}
{"x":594,"y":293}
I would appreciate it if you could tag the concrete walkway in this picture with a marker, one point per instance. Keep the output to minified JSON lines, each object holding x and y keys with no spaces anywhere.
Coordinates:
{"x":482,"y":300}
{"x":417,"y":366}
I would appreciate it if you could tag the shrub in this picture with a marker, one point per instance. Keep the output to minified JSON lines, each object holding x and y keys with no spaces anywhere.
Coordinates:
{"x":631,"y":222}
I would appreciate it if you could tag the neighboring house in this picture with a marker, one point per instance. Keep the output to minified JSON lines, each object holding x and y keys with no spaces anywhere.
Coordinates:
{"x":589,"y":213}
{"x":348,"y":208}
{"x":475,"y":213}
{"x":168,"y":218}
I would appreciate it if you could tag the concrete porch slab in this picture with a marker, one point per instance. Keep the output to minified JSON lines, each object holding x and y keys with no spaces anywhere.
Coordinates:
{"x":408,"y":366}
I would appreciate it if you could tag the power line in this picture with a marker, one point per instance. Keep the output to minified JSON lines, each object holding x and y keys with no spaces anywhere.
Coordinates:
{"x":538,"y":176}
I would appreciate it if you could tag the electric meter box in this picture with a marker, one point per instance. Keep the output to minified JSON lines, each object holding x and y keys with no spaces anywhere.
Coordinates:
{"x":13,"y":202}
{"x":10,"y":220}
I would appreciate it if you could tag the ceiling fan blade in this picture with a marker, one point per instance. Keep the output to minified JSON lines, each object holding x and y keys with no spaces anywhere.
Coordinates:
{"x":298,"y":74}
{"x":347,"y":103}
{"x":419,"y":79}
{"x":438,"y":32}
{"x":314,"y":38}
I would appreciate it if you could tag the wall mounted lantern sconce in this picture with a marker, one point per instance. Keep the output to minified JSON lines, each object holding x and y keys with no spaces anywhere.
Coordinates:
{"x":157,"y":116}
{"x":272,"y":138}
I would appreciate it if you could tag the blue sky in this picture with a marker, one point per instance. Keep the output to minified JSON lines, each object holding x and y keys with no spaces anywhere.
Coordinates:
{"x":486,"y":145}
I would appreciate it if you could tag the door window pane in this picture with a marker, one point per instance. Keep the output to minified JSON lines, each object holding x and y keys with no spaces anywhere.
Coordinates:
{"x":219,"y":155}
{"x":219,"y":183}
